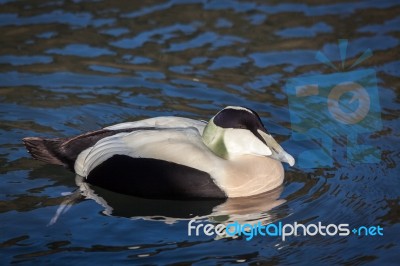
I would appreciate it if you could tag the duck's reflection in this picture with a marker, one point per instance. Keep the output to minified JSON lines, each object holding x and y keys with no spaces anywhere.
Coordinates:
{"x":249,"y":209}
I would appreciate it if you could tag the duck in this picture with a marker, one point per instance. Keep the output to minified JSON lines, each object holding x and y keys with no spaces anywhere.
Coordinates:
{"x":168,"y":157}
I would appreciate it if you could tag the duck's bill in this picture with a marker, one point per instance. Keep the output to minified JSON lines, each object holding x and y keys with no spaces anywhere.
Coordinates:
{"x":284,"y":157}
{"x":277,"y":152}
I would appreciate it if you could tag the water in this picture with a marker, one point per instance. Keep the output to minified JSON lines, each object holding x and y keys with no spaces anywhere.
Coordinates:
{"x":67,"y":67}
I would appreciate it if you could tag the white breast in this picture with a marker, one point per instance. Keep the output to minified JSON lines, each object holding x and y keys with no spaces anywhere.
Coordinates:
{"x":249,"y":175}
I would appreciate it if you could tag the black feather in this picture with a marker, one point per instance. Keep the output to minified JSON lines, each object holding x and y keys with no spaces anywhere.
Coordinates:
{"x":64,"y":151}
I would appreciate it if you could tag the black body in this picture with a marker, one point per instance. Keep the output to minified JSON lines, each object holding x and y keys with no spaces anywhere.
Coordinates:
{"x":153,"y":178}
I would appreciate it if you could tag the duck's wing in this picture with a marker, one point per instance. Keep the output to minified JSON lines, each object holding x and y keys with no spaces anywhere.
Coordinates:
{"x":172,"y":162}
{"x":162,"y":122}
{"x":182,"y":146}
{"x":64,"y":151}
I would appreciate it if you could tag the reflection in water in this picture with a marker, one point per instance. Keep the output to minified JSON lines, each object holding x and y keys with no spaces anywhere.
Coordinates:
{"x":248,"y":209}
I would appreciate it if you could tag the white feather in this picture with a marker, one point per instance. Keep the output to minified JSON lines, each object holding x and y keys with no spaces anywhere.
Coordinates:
{"x":238,"y":108}
{"x":243,"y":141}
{"x":107,"y":147}
{"x":178,"y":145}
{"x":162,"y":122}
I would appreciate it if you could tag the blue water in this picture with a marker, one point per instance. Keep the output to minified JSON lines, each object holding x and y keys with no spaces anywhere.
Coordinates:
{"x":67,"y":67}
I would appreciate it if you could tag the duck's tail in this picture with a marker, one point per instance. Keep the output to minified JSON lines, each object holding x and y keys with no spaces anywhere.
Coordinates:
{"x":64,"y":151}
{"x":47,"y":150}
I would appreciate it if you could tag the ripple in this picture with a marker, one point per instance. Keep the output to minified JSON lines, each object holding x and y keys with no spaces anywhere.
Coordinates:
{"x":18,"y":60}
{"x":106,"y":69}
{"x":294,"y":58}
{"x":148,"y":10}
{"x":57,"y":16}
{"x":165,"y":34}
{"x":301,"y":32}
{"x":228,"y":62}
{"x":206,"y":38}
{"x":223,"y":23}
{"x":81,"y":50}
{"x":386,"y":27}
{"x":359,"y":45}
{"x":115,"y":31}
{"x":47,"y":35}
{"x":137,"y":60}
{"x":257,"y":19}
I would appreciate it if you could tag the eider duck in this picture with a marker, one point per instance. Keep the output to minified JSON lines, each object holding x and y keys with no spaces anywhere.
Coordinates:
{"x":232,"y":155}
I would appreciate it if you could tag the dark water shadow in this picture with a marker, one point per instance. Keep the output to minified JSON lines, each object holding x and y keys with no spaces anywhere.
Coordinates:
{"x":245,"y":209}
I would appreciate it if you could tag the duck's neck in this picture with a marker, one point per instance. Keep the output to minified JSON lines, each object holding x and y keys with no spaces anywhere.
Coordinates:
{"x":213,"y":138}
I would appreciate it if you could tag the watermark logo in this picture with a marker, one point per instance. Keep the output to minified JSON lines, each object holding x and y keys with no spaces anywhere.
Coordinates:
{"x":344,"y":103}
{"x":249,"y":231}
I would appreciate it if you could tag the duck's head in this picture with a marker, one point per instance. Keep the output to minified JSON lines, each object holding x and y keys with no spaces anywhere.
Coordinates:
{"x":238,"y":131}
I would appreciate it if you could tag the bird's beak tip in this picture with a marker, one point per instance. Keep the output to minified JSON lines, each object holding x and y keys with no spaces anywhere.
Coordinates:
{"x":287,"y":158}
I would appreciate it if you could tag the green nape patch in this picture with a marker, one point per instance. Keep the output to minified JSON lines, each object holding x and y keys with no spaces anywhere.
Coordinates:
{"x":220,"y":148}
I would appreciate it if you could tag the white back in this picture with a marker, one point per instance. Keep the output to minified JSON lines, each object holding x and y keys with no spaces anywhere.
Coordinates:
{"x":178,"y":145}
{"x":162,"y":122}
